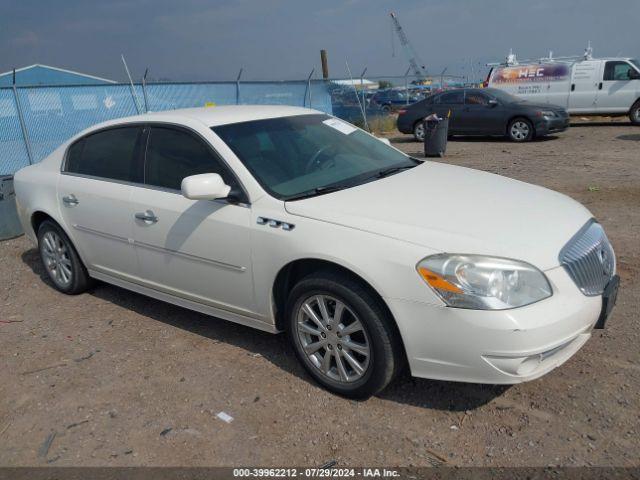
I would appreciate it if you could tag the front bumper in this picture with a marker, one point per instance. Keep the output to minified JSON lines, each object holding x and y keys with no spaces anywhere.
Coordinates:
{"x":552,"y":125}
{"x":497,"y":347}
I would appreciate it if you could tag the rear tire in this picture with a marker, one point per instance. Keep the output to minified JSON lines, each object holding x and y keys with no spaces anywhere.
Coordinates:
{"x":634,"y":113}
{"x":418,"y":131}
{"x":351,"y":347}
{"x":520,"y":130}
{"x":61,"y":260}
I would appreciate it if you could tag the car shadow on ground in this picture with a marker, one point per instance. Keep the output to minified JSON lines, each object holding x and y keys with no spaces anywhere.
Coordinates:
{"x":633,"y":137}
{"x":479,"y":139}
{"x":429,"y":394}
{"x":601,"y":124}
{"x":474,"y":139}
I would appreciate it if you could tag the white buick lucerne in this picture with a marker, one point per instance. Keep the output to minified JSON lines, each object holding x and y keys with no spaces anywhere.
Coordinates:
{"x":287,"y":219}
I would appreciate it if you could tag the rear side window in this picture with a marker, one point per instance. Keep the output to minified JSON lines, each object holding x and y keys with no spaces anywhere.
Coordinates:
{"x":456,"y":97}
{"x":110,"y":154}
{"x":422,"y":103}
{"x":617,"y":71}
{"x":175,"y":154}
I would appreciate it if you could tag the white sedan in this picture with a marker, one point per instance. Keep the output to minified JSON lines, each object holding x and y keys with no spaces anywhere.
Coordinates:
{"x":287,"y":219}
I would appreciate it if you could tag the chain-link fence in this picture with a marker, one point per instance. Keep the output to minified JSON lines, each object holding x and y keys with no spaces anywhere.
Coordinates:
{"x":34,"y":121}
{"x":374,"y":102}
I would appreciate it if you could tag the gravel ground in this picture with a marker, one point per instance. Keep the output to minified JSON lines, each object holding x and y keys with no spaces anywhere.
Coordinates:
{"x":113,"y":378}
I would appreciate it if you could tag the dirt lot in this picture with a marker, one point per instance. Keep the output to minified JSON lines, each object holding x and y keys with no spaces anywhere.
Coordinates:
{"x":114,"y":378}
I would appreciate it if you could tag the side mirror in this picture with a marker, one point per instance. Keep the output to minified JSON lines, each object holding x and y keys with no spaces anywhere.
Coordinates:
{"x":493,"y":102}
{"x":386,"y":141}
{"x":206,"y":186}
{"x":633,"y":75}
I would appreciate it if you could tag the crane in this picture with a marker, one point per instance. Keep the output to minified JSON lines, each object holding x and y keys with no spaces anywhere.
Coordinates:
{"x":414,"y":61}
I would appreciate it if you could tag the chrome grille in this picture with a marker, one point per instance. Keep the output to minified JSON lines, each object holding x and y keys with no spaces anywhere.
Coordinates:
{"x":589,"y":259}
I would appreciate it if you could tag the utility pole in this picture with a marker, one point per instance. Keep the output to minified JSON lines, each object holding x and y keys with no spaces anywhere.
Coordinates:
{"x":325,"y":64}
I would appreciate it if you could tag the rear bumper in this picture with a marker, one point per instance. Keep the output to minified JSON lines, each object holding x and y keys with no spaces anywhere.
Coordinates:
{"x":404,"y":125}
{"x":497,"y":347}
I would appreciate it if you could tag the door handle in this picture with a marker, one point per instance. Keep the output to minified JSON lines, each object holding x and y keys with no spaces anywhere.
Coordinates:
{"x":70,"y":200}
{"x":600,"y":86}
{"x":147,"y":217}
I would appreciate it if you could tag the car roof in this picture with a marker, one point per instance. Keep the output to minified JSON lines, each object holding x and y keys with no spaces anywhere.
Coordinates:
{"x":209,"y":116}
{"x":212,"y":116}
{"x":221,"y":115}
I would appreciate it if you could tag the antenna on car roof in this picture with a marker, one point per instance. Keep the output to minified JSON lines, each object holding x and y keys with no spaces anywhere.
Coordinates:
{"x":511,"y":58}
{"x":588,"y":52}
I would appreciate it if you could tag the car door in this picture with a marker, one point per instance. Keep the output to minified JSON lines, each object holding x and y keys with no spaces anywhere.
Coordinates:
{"x":583,"y":95}
{"x":194,"y":249}
{"x":94,"y":191}
{"x":618,"y":87}
{"x":450,"y":104}
{"x":479,"y":116}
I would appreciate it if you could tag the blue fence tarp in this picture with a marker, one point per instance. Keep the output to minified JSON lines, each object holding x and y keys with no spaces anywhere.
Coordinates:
{"x":13,"y":151}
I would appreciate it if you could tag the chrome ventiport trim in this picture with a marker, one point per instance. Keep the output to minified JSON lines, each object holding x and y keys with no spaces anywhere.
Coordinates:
{"x":275,"y":223}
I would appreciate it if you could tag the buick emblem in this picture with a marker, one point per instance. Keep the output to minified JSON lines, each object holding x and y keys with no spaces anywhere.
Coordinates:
{"x":605,"y":261}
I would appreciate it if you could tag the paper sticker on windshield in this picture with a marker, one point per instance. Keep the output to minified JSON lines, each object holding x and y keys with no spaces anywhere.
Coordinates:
{"x":342,"y":127}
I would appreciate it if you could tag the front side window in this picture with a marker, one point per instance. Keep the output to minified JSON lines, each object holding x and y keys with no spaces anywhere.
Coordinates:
{"x":175,"y":154}
{"x":298,"y":155}
{"x":476,"y":98}
{"x":617,"y":71}
{"x":110,"y":154}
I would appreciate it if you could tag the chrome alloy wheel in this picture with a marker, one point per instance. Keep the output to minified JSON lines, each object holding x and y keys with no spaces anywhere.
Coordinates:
{"x":333,"y":338}
{"x":418,"y":131}
{"x":56,"y":259}
{"x":520,"y":130}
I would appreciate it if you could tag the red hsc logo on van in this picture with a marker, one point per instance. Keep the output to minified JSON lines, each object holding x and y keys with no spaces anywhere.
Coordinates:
{"x":531,"y":73}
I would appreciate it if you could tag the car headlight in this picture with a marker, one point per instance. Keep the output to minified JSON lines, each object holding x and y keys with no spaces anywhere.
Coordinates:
{"x":483,"y":283}
{"x":548,"y":113}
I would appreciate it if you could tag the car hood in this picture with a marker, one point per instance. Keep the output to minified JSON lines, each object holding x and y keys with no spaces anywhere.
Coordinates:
{"x":454,"y":209}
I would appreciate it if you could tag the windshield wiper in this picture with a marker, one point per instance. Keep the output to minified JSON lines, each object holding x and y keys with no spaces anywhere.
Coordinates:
{"x":391,"y":170}
{"x":317,"y":191}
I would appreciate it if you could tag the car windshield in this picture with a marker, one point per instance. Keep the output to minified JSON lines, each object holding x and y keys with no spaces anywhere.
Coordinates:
{"x":636,"y":63}
{"x":306,"y":155}
{"x":502,"y":95}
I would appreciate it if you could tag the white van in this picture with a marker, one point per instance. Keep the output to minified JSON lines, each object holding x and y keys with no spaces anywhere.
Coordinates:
{"x":587,"y":86}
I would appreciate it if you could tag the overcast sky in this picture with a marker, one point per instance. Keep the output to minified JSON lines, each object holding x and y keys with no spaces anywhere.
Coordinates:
{"x":281,"y":39}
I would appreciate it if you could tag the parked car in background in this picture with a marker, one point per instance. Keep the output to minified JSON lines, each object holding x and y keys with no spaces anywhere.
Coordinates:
{"x":486,"y":111}
{"x":585,"y":86}
{"x":391,"y":99}
{"x":284,"y":219}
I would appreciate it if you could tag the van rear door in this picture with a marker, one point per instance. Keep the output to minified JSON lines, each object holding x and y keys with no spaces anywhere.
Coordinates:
{"x":585,"y":76}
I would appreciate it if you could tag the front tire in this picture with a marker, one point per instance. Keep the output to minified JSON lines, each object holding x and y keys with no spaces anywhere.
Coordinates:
{"x":520,"y":130}
{"x":634,"y":113}
{"x":342,"y":335}
{"x":60,"y":260}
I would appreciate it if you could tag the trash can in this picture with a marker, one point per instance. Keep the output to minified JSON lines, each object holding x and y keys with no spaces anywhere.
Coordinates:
{"x":10,"y":226}
{"x":436,"y":131}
